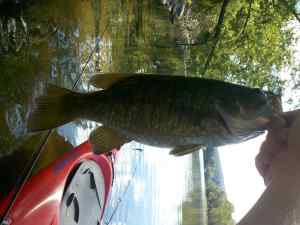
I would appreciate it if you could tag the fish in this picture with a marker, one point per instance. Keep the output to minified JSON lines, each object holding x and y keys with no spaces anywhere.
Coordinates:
{"x":182,"y":113}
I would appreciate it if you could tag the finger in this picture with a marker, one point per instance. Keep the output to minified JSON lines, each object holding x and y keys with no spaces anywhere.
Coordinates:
{"x":261,"y":165}
{"x":283,"y":166}
{"x":276,"y":141}
{"x":267,"y":176}
{"x":276,"y":122}
{"x":263,"y":159}
{"x":278,"y":136}
{"x":290,"y":116}
{"x":268,"y":151}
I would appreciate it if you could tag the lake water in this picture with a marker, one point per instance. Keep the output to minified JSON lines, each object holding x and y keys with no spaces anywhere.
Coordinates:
{"x":66,"y":42}
{"x":152,"y":187}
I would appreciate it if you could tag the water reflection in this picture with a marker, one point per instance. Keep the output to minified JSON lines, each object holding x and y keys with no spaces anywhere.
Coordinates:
{"x":153,"y":187}
{"x":65,"y":41}
{"x":76,"y":132}
{"x":141,"y":192}
{"x":40,"y":43}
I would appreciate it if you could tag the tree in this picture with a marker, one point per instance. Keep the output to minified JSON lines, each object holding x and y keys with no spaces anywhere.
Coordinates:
{"x":219,"y":208}
{"x":253,"y":46}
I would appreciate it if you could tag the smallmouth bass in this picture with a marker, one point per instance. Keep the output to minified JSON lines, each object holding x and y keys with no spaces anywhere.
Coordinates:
{"x":182,"y":113}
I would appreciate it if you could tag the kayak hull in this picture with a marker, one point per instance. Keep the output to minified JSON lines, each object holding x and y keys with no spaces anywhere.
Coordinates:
{"x":40,"y":200}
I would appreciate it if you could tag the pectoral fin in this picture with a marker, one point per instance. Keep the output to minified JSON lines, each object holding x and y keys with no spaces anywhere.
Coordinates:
{"x":106,"y":80}
{"x":183,"y":150}
{"x":104,"y":139}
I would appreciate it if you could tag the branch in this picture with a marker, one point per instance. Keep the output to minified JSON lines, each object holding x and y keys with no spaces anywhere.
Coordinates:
{"x":248,"y":17}
{"x":216,"y":36}
{"x":242,"y":31}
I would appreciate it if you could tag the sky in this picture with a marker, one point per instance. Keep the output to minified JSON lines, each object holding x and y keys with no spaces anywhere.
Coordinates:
{"x":243,"y":184}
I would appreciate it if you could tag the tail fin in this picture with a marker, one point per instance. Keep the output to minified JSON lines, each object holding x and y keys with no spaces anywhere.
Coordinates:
{"x":53,"y":109}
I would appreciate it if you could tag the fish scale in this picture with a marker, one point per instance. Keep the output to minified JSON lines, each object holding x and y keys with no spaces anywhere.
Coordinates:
{"x":172,"y":111}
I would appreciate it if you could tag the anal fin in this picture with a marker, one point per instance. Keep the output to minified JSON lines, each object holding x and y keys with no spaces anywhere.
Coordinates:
{"x":105,"y":139}
{"x":186,"y":149}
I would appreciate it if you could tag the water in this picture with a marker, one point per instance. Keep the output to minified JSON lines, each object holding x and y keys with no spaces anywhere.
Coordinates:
{"x":65,"y":42}
{"x":142,"y":194}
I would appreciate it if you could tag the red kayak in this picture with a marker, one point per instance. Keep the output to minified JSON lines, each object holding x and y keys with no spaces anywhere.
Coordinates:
{"x":74,"y":189}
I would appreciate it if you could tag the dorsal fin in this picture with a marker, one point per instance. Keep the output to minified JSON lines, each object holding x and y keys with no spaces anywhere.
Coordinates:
{"x":106,"y":80}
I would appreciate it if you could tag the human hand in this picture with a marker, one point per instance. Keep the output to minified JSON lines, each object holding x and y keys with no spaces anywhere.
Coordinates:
{"x":279,"y":157}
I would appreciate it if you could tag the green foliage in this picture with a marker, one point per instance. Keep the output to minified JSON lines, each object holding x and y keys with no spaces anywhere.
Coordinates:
{"x":219,"y":208}
{"x":253,"y":46}
{"x":192,"y":208}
